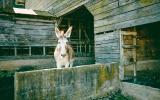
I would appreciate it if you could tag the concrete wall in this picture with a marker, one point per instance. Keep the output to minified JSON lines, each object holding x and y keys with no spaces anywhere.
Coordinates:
{"x":140,"y":92}
{"x":79,"y":83}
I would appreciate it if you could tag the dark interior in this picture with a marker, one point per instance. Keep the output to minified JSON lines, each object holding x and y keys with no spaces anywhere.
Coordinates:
{"x":82,"y":37}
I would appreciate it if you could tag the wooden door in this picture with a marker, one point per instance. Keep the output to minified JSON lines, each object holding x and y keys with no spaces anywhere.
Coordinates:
{"x":127,"y":51}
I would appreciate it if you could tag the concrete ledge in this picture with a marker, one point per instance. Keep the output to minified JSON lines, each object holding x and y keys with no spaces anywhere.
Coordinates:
{"x":78,"y":83}
{"x":140,"y":92}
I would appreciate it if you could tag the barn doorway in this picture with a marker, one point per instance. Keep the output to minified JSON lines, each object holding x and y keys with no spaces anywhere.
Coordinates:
{"x":82,"y":37}
{"x":140,"y":52}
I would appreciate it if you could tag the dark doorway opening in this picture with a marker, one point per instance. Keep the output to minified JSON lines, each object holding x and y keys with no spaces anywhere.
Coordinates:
{"x":82,"y":37}
{"x":147,"y":56}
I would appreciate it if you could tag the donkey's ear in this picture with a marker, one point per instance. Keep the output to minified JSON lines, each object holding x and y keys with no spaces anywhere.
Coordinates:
{"x":57,"y":32}
{"x":68,"y":33}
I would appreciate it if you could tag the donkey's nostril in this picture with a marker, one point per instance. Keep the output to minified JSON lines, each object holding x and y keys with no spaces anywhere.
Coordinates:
{"x":63,"y":55}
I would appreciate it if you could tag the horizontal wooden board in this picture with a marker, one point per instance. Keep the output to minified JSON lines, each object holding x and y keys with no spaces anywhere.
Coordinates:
{"x":42,"y":5}
{"x":130,"y":23}
{"x":125,"y":2}
{"x":71,"y":7}
{"x":25,"y":22}
{"x":107,"y":7}
{"x":107,"y":47}
{"x":100,"y":4}
{"x":150,"y":10}
{"x":122,"y":9}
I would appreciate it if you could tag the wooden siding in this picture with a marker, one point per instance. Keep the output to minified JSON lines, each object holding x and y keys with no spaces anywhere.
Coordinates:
{"x":107,"y":47}
{"x":23,"y":31}
{"x":56,"y":7}
{"x":127,"y":16}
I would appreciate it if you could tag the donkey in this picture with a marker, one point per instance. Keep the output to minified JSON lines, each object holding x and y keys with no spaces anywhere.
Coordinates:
{"x":63,"y":54}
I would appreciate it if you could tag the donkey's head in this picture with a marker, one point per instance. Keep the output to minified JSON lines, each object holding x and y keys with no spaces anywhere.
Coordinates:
{"x":62,"y":40}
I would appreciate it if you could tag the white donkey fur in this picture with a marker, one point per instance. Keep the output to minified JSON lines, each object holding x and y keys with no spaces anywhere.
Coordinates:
{"x":63,"y":54}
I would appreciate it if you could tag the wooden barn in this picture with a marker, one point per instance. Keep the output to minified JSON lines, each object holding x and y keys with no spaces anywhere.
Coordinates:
{"x":125,"y":31}
{"x":104,"y":31}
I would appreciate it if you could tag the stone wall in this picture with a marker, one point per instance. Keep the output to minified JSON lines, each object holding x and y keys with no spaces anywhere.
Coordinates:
{"x":78,"y":83}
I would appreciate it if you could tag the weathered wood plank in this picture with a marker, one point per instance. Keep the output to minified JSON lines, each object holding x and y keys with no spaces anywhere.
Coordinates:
{"x":20,"y":22}
{"x":35,"y":20}
{"x":122,"y":9}
{"x":42,"y":5}
{"x":63,"y":5}
{"x":91,"y":3}
{"x":125,"y":2}
{"x":71,"y":7}
{"x":100,"y":4}
{"x":104,"y":8}
{"x":132,"y":22}
{"x":150,"y":10}
{"x":107,"y":47}
{"x":30,"y":27}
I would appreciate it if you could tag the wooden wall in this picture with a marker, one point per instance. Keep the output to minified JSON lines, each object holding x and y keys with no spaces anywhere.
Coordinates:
{"x":107,"y":47}
{"x":19,"y":33}
{"x":113,"y":15}
{"x":25,"y":31}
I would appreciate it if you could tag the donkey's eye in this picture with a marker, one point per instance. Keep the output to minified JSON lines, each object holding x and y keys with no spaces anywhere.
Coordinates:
{"x":67,"y":42}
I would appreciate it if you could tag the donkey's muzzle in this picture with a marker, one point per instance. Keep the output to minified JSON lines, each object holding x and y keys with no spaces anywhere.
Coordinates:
{"x":63,"y":55}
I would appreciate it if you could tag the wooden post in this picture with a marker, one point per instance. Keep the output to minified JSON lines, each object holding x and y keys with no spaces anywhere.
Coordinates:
{"x":121,"y":67}
{"x":85,"y":48}
{"x":15,"y":51}
{"x":89,"y":48}
{"x":80,"y":45}
{"x":30,"y":51}
{"x":134,"y":56}
{"x":44,"y":51}
{"x":77,"y":47}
